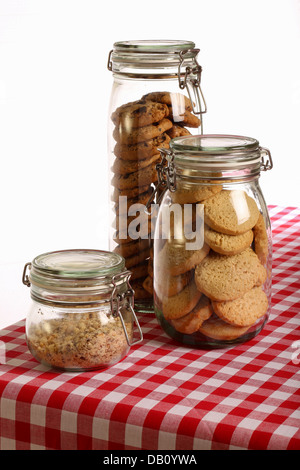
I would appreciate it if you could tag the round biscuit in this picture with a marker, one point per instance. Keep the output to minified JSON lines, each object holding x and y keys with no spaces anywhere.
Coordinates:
{"x":244,"y":311}
{"x":227,"y":244}
{"x":231,"y":212}
{"x":191,"y":322}
{"x":222,"y":277}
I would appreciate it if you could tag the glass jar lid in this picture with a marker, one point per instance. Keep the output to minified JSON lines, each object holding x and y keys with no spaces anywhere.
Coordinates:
{"x":74,"y":271}
{"x":217,"y":152}
{"x":150,"y":53}
{"x":79,"y":264}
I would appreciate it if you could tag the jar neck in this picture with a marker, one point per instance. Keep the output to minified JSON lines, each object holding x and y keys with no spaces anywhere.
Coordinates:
{"x":79,"y":292}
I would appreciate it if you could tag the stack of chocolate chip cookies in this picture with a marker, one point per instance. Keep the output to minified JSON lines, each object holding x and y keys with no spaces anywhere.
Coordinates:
{"x":141,"y":128}
{"x":216,"y":292}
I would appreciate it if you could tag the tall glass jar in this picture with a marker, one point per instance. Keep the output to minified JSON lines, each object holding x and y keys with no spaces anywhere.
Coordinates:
{"x":155,"y":96}
{"x":213,"y":244}
{"x":81,"y":315}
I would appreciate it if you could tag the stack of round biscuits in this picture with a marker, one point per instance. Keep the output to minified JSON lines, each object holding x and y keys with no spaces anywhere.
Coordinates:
{"x":141,"y":127}
{"x":218,"y":290}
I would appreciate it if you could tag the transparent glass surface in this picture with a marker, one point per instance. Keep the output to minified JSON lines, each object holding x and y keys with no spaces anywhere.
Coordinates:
{"x":144,"y":116}
{"x":77,"y":338}
{"x":213,"y":261}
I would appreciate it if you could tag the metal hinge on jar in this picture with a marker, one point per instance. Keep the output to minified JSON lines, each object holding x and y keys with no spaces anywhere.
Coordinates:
{"x":166,"y":177}
{"x":117,"y":298}
{"x":265,"y":165}
{"x":191,"y":81}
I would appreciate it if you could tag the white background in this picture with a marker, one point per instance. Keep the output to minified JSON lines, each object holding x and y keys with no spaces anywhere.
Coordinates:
{"x":54,"y":95}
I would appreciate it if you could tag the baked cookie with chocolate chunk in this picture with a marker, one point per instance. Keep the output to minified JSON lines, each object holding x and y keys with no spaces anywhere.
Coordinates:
{"x":132,"y":248}
{"x":185,"y":118}
{"x":128,"y":192}
{"x":148,"y":284}
{"x":143,"y":177}
{"x":142,"y":150}
{"x":123,"y":167}
{"x":139,"y":114}
{"x":125,"y":206}
{"x":140,"y":293}
{"x":177,"y":131}
{"x":131,"y":136}
{"x":176,"y":99}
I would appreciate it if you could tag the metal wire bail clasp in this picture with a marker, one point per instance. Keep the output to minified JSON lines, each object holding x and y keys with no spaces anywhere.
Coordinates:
{"x":117,"y":298}
{"x":166,"y":177}
{"x":268,"y":165}
{"x":191,"y":81}
{"x":25,"y":277}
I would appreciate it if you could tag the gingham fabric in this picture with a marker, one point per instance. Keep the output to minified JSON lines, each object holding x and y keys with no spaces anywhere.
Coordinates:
{"x":163,"y":396}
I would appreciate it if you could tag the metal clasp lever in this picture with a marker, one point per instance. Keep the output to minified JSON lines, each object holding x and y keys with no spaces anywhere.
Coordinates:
{"x":25,"y":277}
{"x":192,"y":75}
{"x":166,"y":177}
{"x":268,"y":165}
{"x":117,"y":298}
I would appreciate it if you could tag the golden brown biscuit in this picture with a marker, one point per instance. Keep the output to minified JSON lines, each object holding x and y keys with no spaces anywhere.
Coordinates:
{"x":227,"y":244}
{"x":167,"y":285}
{"x":216,"y":328}
{"x":245,"y":310}
{"x":192,"y":193}
{"x":223,"y":278}
{"x":261,"y":243}
{"x":181,"y":304}
{"x":178,"y":260}
{"x":231,"y":211}
{"x":191,"y":322}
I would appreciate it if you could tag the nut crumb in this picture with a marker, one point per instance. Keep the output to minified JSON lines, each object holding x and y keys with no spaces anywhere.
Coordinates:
{"x":80,"y":340}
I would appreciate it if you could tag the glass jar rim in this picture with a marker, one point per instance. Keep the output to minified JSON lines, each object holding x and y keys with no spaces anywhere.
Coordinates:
{"x":150,"y":54}
{"x":78,"y":264}
{"x":215,"y":151}
{"x":154,"y":46}
{"x":64,"y":276}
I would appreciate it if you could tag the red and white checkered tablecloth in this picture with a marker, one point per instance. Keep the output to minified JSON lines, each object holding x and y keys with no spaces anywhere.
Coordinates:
{"x":166,"y":397}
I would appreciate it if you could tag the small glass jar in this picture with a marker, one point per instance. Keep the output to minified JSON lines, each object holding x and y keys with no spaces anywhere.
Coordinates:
{"x":213,"y":243}
{"x":155,"y":96}
{"x":81,"y":315}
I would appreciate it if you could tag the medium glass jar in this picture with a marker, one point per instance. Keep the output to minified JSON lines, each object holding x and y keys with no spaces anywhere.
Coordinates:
{"x":213,"y":244}
{"x":81,"y":315}
{"x":155,"y":96}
